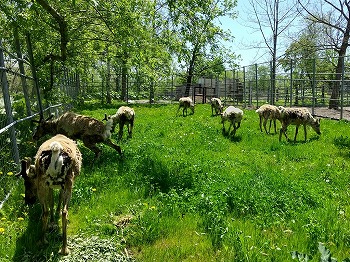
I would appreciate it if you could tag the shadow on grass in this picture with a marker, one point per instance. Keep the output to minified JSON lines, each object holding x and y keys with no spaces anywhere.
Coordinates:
{"x":28,"y":247}
{"x":231,"y":137}
{"x":298,"y":142}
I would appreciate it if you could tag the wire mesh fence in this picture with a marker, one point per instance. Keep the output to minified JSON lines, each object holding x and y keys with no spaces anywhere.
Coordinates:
{"x":302,"y":82}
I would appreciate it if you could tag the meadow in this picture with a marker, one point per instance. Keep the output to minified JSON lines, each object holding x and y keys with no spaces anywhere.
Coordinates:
{"x":184,"y":191}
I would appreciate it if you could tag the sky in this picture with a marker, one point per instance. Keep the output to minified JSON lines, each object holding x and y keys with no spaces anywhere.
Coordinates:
{"x":243,"y":36}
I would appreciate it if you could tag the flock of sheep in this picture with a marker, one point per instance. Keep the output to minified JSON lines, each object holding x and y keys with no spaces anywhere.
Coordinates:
{"x":286,"y":115}
{"x":58,"y":160}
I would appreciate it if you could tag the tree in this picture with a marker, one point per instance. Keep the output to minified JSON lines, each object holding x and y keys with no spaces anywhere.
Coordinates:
{"x":195,"y":33}
{"x":335,"y":15}
{"x":273,"y":18}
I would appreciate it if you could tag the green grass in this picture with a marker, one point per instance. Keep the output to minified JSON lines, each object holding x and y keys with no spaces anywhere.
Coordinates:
{"x":183,"y":191}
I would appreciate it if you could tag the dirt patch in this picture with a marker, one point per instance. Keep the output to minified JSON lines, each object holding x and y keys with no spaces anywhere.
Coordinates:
{"x":332,"y":113}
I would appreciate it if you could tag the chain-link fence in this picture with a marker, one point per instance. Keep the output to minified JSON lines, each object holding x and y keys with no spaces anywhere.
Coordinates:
{"x":18,"y":106}
{"x":303,"y":82}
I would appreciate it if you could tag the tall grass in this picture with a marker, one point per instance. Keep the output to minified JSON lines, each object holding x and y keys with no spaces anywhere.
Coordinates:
{"x":183,"y":191}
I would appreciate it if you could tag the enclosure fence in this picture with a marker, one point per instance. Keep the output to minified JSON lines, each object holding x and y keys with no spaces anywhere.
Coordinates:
{"x":15,"y":117}
{"x":303,"y":82}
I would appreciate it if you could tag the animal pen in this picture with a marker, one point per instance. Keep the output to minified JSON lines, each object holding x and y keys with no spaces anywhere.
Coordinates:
{"x":246,"y":87}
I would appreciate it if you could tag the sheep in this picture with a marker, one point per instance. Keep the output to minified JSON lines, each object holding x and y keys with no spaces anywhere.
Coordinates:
{"x":217,"y":105}
{"x":268,"y":112}
{"x":124,"y":115}
{"x":57,"y":163}
{"x":233,"y":115}
{"x":185,"y":102}
{"x":88,"y":129}
{"x":297,"y":117}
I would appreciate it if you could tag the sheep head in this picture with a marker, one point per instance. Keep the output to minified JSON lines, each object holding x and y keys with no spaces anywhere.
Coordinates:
{"x":29,"y":176}
{"x":43,"y":128}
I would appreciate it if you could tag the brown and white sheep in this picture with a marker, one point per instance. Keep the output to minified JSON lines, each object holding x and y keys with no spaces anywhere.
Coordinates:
{"x":297,"y":117}
{"x":124,"y":115}
{"x":216,"y":105}
{"x":88,"y":129}
{"x":57,"y":163}
{"x":234,"y":115}
{"x":185,"y":102}
{"x":267,"y":112}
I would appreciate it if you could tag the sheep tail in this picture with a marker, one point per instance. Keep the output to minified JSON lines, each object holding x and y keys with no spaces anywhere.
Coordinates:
{"x":56,"y":160}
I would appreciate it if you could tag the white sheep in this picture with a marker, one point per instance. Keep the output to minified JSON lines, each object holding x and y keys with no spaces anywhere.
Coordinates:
{"x":124,"y":115}
{"x":90,"y":130}
{"x":216,"y":105}
{"x":297,"y":117}
{"x":267,"y":112}
{"x":57,"y":163}
{"x":234,"y":115}
{"x":185,"y":102}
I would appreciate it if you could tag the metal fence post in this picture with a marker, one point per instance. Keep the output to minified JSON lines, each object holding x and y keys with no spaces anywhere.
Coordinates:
{"x":32,"y":66}
{"x":342,"y":88}
{"x":256,"y":85}
{"x":291,"y":84}
{"x":313,"y":84}
{"x":244,"y":86}
{"x":7,"y":102}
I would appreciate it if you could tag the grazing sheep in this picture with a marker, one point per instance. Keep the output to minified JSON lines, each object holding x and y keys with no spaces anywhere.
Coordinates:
{"x":57,"y":163}
{"x":234,"y":116}
{"x":217,"y":105}
{"x":297,"y":117}
{"x":185,"y":102}
{"x":124,"y":115}
{"x":268,"y":112}
{"x":90,"y":130}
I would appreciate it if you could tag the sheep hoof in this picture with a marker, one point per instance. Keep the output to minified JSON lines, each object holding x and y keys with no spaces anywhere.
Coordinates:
{"x":64,"y":251}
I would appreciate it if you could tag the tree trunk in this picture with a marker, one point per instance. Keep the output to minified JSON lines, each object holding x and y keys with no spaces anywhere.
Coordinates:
{"x":334,"y":101}
{"x":124,"y":81}
{"x":191,"y":70}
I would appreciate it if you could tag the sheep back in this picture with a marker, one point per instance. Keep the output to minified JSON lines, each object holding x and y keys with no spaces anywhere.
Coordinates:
{"x":71,"y":154}
{"x":232,"y":113}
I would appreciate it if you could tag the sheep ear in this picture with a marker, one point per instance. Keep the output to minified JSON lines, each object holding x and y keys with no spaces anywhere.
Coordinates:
{"x":23,"y":172}
{"x":106,"y":118}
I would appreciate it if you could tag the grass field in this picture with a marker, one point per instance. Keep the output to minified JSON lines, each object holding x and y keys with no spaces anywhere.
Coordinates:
{"x":184,"y":191}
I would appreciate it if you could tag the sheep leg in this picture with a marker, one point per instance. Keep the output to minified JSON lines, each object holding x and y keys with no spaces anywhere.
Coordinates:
{"x":265,"y":122}
{"x":58,"y":209}
{"x":130,"y":128}
{"x":274,"y":124}
{"x":296,"y":133}
{"x":177,"y":112}
{"x":108,"y":142}
{"x":284,"y":131}
{"x":305,"y":132}
{"x":91,"y":145}
{"x":260,"y":123}
{"x":270,"y":126}
{"x":66,"y":198}
{"x":229,"y":128}
{"x":234,"y":130}
{"x":121,"y":126}
{"x":44,"y":219}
